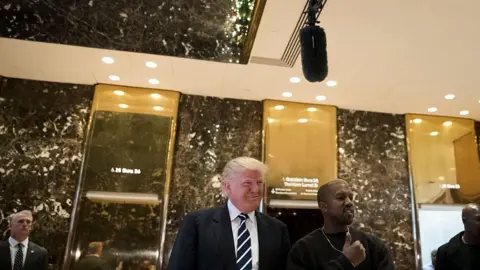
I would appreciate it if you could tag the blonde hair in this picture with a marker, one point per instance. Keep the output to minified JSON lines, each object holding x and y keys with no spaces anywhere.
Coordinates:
{"x":241,"y":164}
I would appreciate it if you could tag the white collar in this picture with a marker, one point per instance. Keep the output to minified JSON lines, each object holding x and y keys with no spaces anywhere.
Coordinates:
{"x":234,"y":212}
{"x":14,"y":243}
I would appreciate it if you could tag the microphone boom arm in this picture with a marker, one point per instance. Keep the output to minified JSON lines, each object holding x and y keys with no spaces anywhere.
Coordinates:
{"x":314,"y":11}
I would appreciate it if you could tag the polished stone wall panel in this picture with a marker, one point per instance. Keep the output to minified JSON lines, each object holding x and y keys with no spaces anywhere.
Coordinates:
{"x":373,"y":159}
{"x":42,"y":130}
{"x":208,"y":30}
{"x":211,"y":131}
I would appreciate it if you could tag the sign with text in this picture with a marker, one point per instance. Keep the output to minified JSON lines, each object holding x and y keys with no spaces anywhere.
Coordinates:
{"x":294,"y":188}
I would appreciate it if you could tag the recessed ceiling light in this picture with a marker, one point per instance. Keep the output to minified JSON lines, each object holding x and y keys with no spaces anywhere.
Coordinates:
{"x":321,"y":98}
{"x":114,"y":78}
{"x":311,"y":109}
{"x":331,"y":83}
{"x":271,"y":120}
{"x":417,"y":120}
{"x":450,"y":96}
{"x":108,"y":60}
{"x":441,"y":178}
{"x":447,"y":123}
{"x":464,"y":112}
{"x":151,"y":64}
{"x":302,"y":120}
{"x":432,"y":109}
{"x":123,"y":106}
{"x":153,"y":81}
{"x":119,"y":92}
{"x":287,"y":94}
{"x":155,"y":95}
{"x":279,"y":107}
{"x":158,"y":108}
{"x":434,"y":133}
{"x":295,"y":80}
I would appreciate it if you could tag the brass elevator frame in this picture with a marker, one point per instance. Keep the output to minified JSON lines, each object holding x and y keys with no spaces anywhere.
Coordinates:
{"x":67,"y":260}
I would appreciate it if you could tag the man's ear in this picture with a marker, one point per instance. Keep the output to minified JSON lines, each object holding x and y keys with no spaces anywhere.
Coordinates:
{"x":225,"y":187}
{"x":322,"y":206}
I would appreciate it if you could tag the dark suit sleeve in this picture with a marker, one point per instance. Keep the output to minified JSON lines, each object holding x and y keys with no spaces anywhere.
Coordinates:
{"x":442,"y":260}
{"x":301,"y":258}
{"x":286,"y":246}
{"x":44,"y":259}
{"x":184,"y":252}
{"x":383,"y":260}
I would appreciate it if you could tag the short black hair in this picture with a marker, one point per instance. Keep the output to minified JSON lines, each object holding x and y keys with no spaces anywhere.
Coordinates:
{"x":324,"y":190}
{"x":322,"y":193}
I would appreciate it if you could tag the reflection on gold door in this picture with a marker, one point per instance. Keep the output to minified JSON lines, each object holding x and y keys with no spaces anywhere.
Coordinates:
{"x":300,"y":150}
{"x":443,"y":159}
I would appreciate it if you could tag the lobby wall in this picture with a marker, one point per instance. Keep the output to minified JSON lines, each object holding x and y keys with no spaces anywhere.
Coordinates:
{"x":42,"y":132}
{"x":210,"y":132}
{"x":372,"y":157}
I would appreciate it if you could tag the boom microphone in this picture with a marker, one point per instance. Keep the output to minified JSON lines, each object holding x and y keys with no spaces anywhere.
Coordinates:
{"x":313,"y":45}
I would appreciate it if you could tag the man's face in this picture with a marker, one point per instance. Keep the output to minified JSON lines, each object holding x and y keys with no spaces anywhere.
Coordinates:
{"x":245,"y":190}
{"x":339,"y":204}
{"x":21,"y":225}
{"x":472,"y":224}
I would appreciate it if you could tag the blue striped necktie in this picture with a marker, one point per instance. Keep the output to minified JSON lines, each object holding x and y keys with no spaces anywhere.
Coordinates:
{"x":244,"y":246}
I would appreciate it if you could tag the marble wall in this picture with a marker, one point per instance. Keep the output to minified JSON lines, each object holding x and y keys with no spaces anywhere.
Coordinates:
{"x":211,"y":131}
{"x":42,"y":130}
{"x":208,"y":30}
{"x":373,"y":158}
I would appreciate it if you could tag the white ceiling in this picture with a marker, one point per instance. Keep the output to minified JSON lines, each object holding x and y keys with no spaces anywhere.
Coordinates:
{"x":387,"y":56}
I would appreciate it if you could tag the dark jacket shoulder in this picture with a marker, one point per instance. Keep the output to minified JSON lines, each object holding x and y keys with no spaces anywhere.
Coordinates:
{"x":451,"y":246}
{"x":37,"y":247}
{"x":270,"y":220}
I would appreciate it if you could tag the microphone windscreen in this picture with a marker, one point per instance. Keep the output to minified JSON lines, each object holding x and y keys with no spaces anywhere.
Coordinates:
{"x":313,"y":46}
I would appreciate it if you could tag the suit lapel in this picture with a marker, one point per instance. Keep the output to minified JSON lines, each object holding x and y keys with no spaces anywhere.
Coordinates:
{"x":262,"y":227}
{"x":222,"y":231}
{"x":5,"y":257}
{"x":29,"y":260}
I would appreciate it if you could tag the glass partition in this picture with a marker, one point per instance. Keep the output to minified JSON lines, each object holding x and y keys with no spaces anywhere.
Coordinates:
{"x":121,"y":198}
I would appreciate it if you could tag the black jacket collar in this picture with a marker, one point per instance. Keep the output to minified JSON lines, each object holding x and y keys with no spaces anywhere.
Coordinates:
{"x":455,"y":244}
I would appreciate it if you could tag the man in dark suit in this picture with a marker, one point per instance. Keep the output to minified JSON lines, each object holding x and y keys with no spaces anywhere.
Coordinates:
{"x":93,"y":260}
{"x":462,"y":252}
{"x":234,"y":236}
{"x":19,"y":253}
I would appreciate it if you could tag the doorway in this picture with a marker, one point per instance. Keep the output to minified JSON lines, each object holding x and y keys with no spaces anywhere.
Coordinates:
{"x":300,"y":222}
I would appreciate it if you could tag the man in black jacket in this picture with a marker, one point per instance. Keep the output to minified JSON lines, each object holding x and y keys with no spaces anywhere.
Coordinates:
{"x":234,"y":236}
{"x":93,"y":260}
{"x":19,"y":252}
{"x":337,"y":246}
{"x":462,"y":252}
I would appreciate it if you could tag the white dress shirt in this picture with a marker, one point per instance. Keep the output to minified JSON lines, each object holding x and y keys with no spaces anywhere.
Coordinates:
{"x":251,"y":224}
{"x":14,"y":249}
